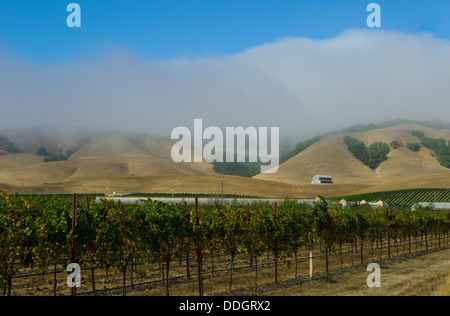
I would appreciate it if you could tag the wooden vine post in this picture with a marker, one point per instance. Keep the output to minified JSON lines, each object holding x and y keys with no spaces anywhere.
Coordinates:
{"x":426,"y":239}
{"x":74,"y":224}
{"x":409,"y":230}
{"x":188,"y":271}
{"x":326,"y":242}
{"x":439,"y":229}
{"x":199,"y":252}
{"x":248,"y":220}
{"x":88,"y":208}
{"x":361,"y":238}
{"x":389,"y":241}
{"x":276,"y":246}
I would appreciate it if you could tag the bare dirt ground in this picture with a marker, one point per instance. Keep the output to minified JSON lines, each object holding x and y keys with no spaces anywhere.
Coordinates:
{"x":425,"y":275}
{"x":419,"y":274}
{"x":422,"y":273}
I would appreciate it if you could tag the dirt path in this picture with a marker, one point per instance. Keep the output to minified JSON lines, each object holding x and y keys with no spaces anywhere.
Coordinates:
{"x":424,"y":275}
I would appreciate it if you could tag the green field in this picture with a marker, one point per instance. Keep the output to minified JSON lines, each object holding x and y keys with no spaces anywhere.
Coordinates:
{"x":407,"y":197}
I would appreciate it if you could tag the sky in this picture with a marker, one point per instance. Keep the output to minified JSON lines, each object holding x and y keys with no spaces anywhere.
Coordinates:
{"x":307,"y":67}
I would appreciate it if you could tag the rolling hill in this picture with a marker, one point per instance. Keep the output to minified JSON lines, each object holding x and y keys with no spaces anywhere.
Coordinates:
{"x":112,"y":161}
{"x":429,"y":180}
{"x":331,"y":156}
{"x":99,"y":155}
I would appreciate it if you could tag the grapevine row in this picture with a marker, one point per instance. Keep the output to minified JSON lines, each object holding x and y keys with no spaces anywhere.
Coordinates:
{"x":405,"y":198}
{"x":42,"y":233}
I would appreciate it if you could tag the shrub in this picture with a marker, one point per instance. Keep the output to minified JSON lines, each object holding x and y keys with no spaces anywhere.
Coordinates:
{"x":7,"y":145}
{"x":413,"y":146}
{"x":70,"y":152}
{"x":417,"y":134}
{"x":438,"y":145}
{"x":395,"y":144}
{"x":42,"y":151}
{"x":55,"y":158}
{"x":11,"y":148}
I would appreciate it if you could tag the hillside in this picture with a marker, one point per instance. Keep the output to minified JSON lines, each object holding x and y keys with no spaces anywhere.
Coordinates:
{"x":106,"y":162}
{"x":331,"y":156}
{"x":98,"y":155}
{"x":430,"y":180}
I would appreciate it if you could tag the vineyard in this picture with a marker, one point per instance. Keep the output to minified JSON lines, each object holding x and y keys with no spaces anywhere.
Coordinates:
{"x":155,"y":242}
{"x":407,"y":197}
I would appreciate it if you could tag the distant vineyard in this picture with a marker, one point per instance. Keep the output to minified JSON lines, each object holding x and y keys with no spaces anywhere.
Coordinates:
{"x":407,"y":197}
{"x":192,"y":195}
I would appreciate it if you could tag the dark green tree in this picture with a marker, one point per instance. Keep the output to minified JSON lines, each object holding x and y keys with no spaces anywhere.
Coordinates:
{"x":42,"y":152}
{"x":413,"y":146}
